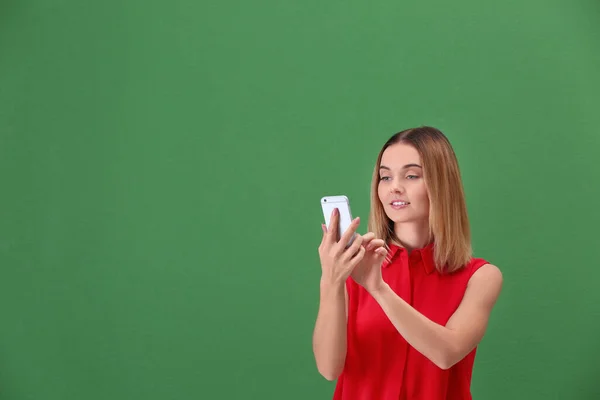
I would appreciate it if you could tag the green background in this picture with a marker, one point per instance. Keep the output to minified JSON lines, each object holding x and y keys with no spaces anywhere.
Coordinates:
{"x":162,"y":165}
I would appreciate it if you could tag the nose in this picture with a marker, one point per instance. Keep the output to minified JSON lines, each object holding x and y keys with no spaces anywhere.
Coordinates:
{"x":396,"y":189}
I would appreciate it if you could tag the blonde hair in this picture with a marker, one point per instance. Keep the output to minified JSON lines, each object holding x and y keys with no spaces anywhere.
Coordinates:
{"x":449,"y":228}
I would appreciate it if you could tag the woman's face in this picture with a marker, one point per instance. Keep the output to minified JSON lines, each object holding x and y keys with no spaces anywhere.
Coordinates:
{"x":402,"y":190}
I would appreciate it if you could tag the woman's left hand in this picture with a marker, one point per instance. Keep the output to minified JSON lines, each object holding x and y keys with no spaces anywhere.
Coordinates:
{"x":368,"y":272}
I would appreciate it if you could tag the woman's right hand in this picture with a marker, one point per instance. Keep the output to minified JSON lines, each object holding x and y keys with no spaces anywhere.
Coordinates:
{"x":337,"y":261}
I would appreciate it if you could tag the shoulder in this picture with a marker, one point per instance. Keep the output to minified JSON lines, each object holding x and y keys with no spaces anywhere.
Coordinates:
{"x":484,"y":270}
{"x":481,"y":266}
{"x":486,"y":282}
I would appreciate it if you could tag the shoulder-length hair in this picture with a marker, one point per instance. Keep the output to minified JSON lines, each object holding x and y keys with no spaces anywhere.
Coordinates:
{"x":449,"y":229}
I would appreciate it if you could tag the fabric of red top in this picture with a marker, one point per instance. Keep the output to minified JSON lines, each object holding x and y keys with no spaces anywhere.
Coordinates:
{"x":380,"y":364}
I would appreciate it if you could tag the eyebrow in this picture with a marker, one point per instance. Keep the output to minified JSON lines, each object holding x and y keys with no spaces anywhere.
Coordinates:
{"x":405,"y":167}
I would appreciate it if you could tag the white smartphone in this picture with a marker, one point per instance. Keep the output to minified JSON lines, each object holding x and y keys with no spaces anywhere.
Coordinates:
{"x":328,"y":204}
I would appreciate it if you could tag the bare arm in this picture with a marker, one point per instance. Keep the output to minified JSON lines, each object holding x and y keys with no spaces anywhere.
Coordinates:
{"x":329,"y":337}
{"x":446,"y":345}
{"x":337,"y":262}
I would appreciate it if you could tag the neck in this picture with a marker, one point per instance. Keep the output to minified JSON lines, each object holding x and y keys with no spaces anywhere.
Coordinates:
{"x":412,"y":235}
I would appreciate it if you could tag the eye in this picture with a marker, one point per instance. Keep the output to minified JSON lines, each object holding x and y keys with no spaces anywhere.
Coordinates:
{"x":383,"y":178}
{"x":412,"y":177}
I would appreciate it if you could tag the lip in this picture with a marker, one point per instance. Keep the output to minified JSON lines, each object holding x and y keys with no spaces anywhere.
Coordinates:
{"x":399,"y":207}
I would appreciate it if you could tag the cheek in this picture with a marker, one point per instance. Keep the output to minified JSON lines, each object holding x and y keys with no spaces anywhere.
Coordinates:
{"x":380,"y":193}
{"x":423,"y":196}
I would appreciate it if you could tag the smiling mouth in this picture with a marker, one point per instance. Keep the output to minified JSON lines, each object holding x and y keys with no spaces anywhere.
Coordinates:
{"x":398,"y":205}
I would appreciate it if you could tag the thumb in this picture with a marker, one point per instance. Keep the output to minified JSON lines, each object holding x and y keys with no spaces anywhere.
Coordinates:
{"x":324,"y":229}
{"x":381,"y":253}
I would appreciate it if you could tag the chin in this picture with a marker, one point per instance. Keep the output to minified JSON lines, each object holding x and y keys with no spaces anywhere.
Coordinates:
{"x":398,"y":219}
{"x":402,"y":220}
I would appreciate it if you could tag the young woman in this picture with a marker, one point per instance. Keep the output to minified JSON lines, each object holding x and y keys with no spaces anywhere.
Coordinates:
{"x":403,"y":309}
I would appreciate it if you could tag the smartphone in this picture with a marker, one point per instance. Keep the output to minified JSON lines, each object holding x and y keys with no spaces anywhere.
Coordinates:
{"x":328,"y":204}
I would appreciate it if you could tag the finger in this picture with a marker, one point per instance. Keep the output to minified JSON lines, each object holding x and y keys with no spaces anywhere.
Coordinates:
{"x":381,"y":252}
{"x":324,"y":229}
{"x":354,"y":247}
{"x":357,"y":257}
{"x":367,"y":237}
{"x":332,"y":229}
{"x":350,"y":231}
{"x":375,"y":243}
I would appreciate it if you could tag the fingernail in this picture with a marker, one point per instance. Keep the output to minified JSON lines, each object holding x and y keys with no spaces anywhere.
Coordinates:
{"x":335,"y":211}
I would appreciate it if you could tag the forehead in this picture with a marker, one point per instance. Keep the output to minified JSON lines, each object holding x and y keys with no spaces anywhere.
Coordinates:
{"x":400,"y":154}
